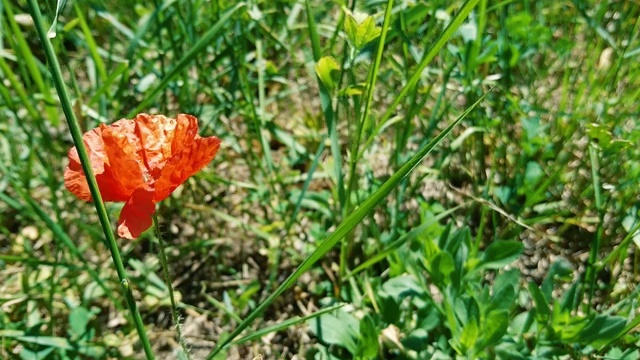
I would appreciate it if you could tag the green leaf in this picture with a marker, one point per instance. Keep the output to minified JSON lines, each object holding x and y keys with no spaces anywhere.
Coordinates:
{"x":469,"y":334}
{"x":542,"y":307}
{"x":441,"y":267}
{"x":368,"y":344}
{"x":503,"y":298}
{"x":360,"y":34}
{"x":401,"y":287}
{"x":532,"y":175}
{"x":341,"y":329}
{"x":494,"y":327}
{"x":325,"y":68}
{"x":501,"y":253}
{"x":601,"y":330}
{"x":78,"y":320}
{"x":64,"y":344}
{"x":367,"y":32}
{"x":26,"y":354}
{"x":351,"y":28}
{"x":352,"y":90}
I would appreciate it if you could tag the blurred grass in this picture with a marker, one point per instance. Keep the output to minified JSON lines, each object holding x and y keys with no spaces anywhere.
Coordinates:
{"x":553,"y":146}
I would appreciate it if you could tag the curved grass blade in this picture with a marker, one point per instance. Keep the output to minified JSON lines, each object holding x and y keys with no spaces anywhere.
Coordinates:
{"x":51,"y":33}
{"x":349,"y":223}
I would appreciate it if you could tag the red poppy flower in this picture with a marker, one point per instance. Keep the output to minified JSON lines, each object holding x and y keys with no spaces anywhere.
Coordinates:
{"x":140,"y":162}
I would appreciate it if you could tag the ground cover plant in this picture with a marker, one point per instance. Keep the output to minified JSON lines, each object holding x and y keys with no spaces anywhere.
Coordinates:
{"x":395,"y":180}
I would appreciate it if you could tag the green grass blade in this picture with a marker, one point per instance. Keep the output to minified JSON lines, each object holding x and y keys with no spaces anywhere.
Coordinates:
{"x":345,"y":227}
{"x":30,"y":62}
{"x":411,"y":83}
{"x":285,"y":324}
{"x":76,"y":134}
{"x":190,"y":56}
{"x":22,"y":95}
{"x":91,"y":43}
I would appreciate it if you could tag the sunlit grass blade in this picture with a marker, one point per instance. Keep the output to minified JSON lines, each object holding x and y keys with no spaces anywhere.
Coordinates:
{"x":285,"y":324}
{"x":296,"y":208}
{"x":29,"y":61}
{"x":76,"y":134}
{"x":190,"y":56}
{"x":348,"y":224}
{"x":20,"y":91}
{"x":417,"y":73}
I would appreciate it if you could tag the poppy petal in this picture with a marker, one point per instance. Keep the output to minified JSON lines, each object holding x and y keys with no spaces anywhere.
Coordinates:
{"x":136,"y":215}
{"x":75,"y":180}
{"x":161,"y":137}
{"x":76,"y":183}
{"x":123,"y":151}
{"x":185,"y":164}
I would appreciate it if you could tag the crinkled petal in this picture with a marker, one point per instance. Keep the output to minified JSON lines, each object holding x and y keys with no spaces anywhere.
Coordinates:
{"x":75,"y":180}
{"x":185,"y":164}
{"x":76,"y":183}
{"x":136,"y":215}
{"x":162,"y":137}
{"x":124,"y":153}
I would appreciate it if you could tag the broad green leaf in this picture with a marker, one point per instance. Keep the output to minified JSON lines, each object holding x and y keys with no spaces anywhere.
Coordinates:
{"x":325,"y":69}
{"x":601,"y":330}
{"x":64,"y":344}
{"x":79,"y":318}
{"x":26,"y":354}
{"x":341,"y":329}
{"x":367,"y":32}
{"x":441,"y":266}
{"x":368,"y":344}
{"x":401,"y":287}
{"x":503,"y":298}
{"x":532,"y":175}
{"x":351,"y":29}
{"x":494,"y":327}
{"x":501,"y":253}
{"x":469,"y":334}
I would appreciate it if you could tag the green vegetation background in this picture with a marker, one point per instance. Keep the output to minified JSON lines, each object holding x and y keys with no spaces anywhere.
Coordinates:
{"x":397,"y":180}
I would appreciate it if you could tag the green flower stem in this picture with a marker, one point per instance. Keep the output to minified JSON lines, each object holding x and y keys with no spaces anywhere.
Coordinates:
{"x":165,"y":270}
{"x":76,"y":134}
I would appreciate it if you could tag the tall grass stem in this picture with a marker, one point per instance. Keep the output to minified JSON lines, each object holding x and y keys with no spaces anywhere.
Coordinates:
{"x":76,"y":134}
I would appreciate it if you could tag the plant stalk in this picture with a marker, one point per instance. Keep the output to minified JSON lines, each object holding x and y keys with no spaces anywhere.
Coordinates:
{"x":76,"y":134}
